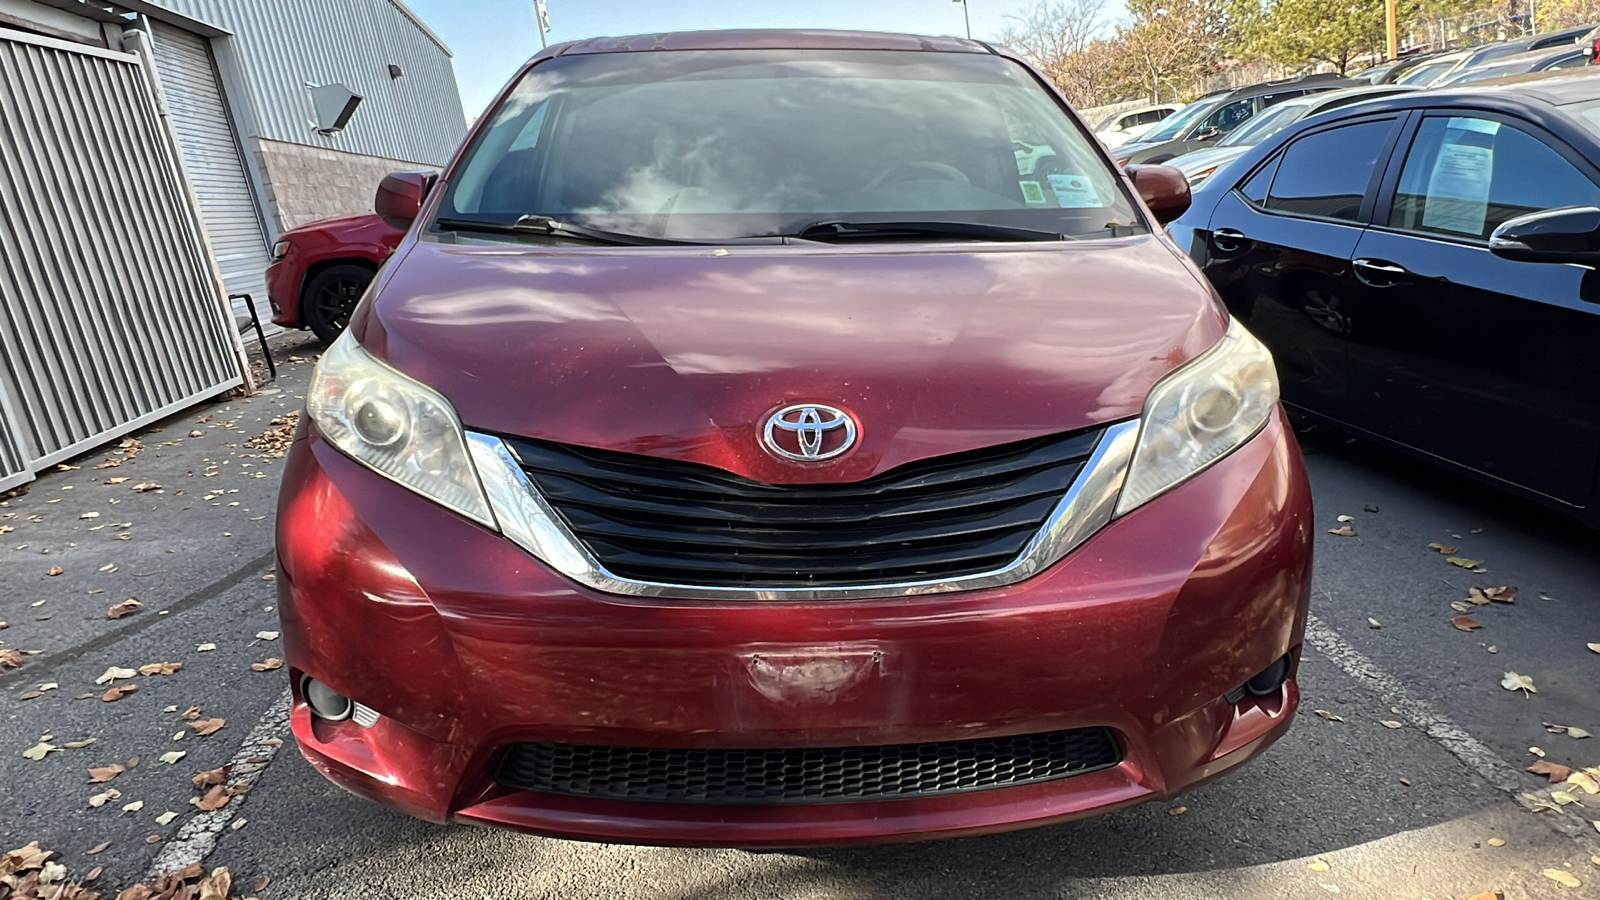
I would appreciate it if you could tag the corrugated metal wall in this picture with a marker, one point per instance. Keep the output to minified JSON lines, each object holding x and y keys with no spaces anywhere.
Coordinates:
{"x":284,"y":44}
{"x":109,"y":309}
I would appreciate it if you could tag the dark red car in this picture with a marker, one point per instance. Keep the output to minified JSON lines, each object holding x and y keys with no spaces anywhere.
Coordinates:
{"x":319,"y":271}
{"x":742,"y":450}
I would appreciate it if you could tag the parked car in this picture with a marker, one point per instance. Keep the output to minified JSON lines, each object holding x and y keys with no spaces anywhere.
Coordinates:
{"x":1550,"y":58}
{"x":1391,"y":71}
{"x":737,"y":451}
{"x":1129,"y":125}
{"x":1476,"y":57}
{"x":1225,"y":114}
{"x":320,"y":270}
{"x":1432,"y":70}
{"x":1202,"y":164}
{"x":1367,"y":247}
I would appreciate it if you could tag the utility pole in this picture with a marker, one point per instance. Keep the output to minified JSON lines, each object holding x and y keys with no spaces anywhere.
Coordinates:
{"x":967,"y":16}
{"x":1390,"y":28}
{"x":541,"y":17}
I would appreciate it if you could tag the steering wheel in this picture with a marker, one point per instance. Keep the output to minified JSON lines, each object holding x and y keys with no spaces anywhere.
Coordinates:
{"x":917,"y":170}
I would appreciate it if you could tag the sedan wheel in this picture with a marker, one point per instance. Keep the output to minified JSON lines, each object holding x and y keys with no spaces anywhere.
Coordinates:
{"x":331,"y":297}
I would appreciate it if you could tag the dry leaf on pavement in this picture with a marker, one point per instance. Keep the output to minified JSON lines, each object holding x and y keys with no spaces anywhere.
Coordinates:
{"x":268,"y":664}
{"x":98,"y":848}
{"x":54,"y":571}
{"x":1446,"y":549}
{"x":160,"y":668}
{"x":1390,"y":723}
{"x":211,"y":777}
{"x":1331,"y":717}
{"x":1554,"y":771}
{"x":100,"y":774}
{"x":1464,"y":562}
{"x":1486,"y":895}
{"x":1477,"y":597}
{"x":99,"y":800}
{"x":135,"y":806}
{"x":1318,"y":865}
{"x":1514,"y":682}
{"x":172,"y":756}
{"x":204,"y":727}
{"x":1502,"y":594}
{"x":40,"y":750}
{"x":214,"y":799}
{"x":1584,"y":781}
{"x":166,"y":818}
{"x":1496,"y":842}
{"x":1343,"y":531}
{"x":1465,"y":623}
{"x":10,"y":659}
{"x":1565,"y":879}
{"x":113,"y":673}
{"x":206,"y":647}
{"x":1595,"y":646}
{"x":127,"y":606}
{"x":266,"y":635}
{"x":117,"y":692}
{"x":146,"y":487}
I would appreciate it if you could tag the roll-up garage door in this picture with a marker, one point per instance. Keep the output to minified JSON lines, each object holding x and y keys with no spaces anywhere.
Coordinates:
{"x":109,"y":313}
{"x":211,"y":154}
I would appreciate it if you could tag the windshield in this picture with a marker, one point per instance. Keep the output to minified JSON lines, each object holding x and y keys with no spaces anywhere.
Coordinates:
{"x":724,"y":144}
{"x":1183,"y":118}
{"x":1424,"y":74}
{"x":1265,"y":125}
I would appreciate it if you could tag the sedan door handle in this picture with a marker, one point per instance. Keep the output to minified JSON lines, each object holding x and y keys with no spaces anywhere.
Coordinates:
{"x":1379,"y":272}
{"x":1228,"y":240}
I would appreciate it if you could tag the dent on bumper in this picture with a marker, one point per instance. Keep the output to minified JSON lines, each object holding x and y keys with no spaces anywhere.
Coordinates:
{"x":464,"y":643}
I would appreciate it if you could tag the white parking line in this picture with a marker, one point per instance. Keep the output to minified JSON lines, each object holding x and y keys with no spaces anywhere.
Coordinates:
{"x":1447,"y":734}
{"x":198,"y":836}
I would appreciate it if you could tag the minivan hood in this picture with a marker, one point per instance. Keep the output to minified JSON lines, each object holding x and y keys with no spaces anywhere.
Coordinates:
{"x":684,"y":352}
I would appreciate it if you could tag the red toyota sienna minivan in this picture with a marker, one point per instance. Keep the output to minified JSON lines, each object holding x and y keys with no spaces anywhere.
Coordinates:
{"x":741,"y":448}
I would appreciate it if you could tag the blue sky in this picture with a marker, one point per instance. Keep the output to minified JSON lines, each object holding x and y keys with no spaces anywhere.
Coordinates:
{"x":491,"y":38}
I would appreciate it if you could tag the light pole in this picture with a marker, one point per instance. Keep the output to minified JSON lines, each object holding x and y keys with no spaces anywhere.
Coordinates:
{"x":1389,"y":29}
{"x":541,"y":17}
{"x":966,"y":16}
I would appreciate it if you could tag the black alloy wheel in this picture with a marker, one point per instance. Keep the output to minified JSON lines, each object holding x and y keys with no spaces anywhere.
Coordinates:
{"x":330,"y":298}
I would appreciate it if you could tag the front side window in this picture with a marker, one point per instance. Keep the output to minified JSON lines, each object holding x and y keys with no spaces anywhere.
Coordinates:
{"x":1326,"y":173}
{"x":1229,"y":117}
{"x":1180,"y":120}
{"x":1464,"y":176}
{"x":718,"y":145}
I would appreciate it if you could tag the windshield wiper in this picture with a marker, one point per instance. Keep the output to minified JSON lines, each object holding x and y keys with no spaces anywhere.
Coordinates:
{"x":841,"y":230}
{"x":545,"y":225}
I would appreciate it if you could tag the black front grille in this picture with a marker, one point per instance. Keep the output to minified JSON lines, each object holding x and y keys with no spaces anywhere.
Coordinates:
{"x":663,"y":520}
{"x":798,"y":775}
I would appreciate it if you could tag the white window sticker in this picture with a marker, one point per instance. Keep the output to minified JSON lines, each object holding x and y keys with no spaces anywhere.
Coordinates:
{"x":1458,"y":188}
{"x":1032,"y":192}
{"x":1074,"y":192}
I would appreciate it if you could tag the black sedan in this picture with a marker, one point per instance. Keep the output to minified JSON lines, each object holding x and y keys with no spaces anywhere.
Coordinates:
{"x":1423,"y":268}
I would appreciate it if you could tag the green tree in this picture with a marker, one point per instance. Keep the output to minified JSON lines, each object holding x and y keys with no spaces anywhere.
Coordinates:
{"x":1302,"y":33}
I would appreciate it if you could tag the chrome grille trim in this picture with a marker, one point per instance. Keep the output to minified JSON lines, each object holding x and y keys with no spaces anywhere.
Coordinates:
{"x":528,"y":519}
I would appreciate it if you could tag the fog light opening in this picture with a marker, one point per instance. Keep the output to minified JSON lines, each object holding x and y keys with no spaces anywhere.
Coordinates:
{"x":325,"y":702}
{"x":1270,"y":680}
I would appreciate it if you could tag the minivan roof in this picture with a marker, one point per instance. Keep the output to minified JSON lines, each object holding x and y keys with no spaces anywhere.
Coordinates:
{"x":773,"y":39}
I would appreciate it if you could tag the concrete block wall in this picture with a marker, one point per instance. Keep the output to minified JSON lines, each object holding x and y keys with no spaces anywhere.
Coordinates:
{"x":305,"y":184}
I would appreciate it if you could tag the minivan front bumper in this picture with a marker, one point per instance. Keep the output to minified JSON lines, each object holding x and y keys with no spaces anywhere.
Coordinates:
{"x":465,"y":645}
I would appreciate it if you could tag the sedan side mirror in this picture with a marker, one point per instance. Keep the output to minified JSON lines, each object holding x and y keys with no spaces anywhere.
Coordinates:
{"x":1567,"y":235}
{"x":400,"y":196}
{"x":1206,"y":134}
{"x":1163,"y":189}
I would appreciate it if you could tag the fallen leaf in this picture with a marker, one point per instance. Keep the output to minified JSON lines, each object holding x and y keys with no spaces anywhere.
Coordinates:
{"x":1463,"y":562}
{"x":10,"y":659}
{"x":1595,"y":646}
{"x":100,"y":774}
{"x":99,"y":800}
{"x":117,"y":480}
{"x":90,"y":515}
{"x":191,"y":713}
{"x":1496,"y":842}
{"x":1328,"y":715}
{"x":113,"y":673}
{"x":260,"y":882}
{"x":1574,"y":731}
{"x":211,"y":777}
{"x":1390,"y":723}
{"x":216,"y":885}
{"x":93,"y":874}
{"x":1446,"y":549}
{"x":146,"y":487}
{"x":1514,"y":682}
{"x":1585,"y":781}
{"x":267,"y":635}
{"x":40,"y":750}
{"x":1174,"y":811}
{"x":1502,"y":594}
{"x":238,"y":823}
{"x":117,"y":692}
{"x":206,"y":647}
{"x":197,"y":433}
{"x":160,"y":668}
{"x":166,"y":818}
{"x":135,"y":806}
{"x":1536,"y":752}
{"x":1477,"y":597}
{"x":268,"y":664}
{"x":214,"y":799}
{"x":1318,"y":865}
{"x":172,"y":756}
{"x":1565,"y":879}
{"x":127,"y":606}
{"x":53,"y":571}
{"x":99,"y":848}
{"x":204,"y":727}
{"x":1465,"y":623}
{"x":149,"y":839}
{"x":1343,"y":531}
{"x":1563,"y":797}
{"x":1373,"y":623}
{"x":1347,"y":518}
{"x":1554,"y":771}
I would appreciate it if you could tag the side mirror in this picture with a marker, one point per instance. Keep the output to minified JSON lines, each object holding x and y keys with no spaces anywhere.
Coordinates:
{"x":400,"y":196}
{"x":1163,"y":189}
{"x":1567,"y":235}
{"x":1206,"y":134}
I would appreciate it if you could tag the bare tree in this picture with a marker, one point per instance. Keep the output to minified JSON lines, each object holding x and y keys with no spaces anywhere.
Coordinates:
{"x":1063,"y":38}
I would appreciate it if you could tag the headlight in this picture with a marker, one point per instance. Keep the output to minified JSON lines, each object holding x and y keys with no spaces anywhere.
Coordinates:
{"x":396,"y":426}
{"x":1199,"y":414}
{"x":280,"y":250}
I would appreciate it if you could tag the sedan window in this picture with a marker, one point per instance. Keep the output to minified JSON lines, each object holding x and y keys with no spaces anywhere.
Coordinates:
{"x":1326,"y":173}
{"x":1464,"y":176}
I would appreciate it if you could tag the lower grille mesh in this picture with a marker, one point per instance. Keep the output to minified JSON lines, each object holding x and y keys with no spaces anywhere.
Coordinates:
{"x":798,"y":775}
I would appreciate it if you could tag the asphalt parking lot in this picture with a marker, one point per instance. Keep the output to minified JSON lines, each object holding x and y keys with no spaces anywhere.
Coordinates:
{"x":1403,"y":777}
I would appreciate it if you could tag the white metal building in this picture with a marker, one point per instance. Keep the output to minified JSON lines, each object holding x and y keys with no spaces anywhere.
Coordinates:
{"x":150,"y":154}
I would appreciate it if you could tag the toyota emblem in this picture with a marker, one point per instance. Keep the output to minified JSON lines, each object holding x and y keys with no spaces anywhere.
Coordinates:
{"x":809,"y":432}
